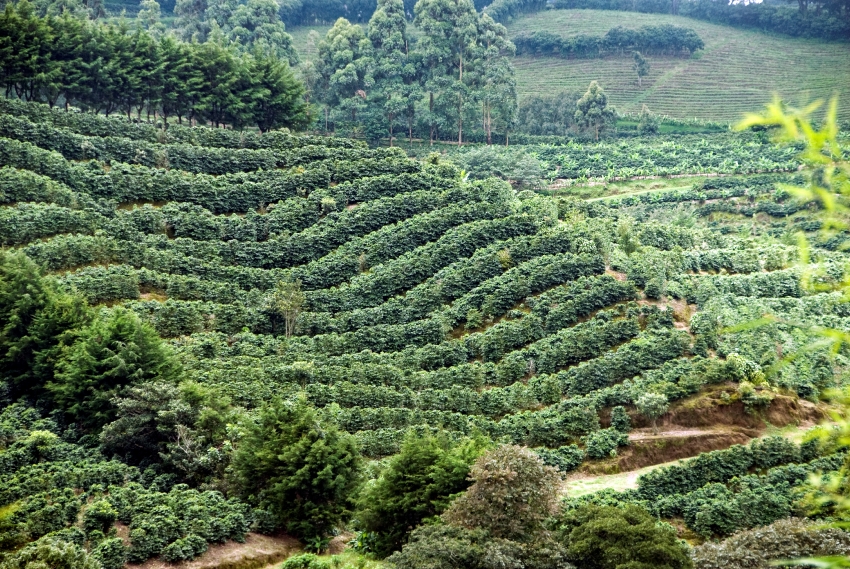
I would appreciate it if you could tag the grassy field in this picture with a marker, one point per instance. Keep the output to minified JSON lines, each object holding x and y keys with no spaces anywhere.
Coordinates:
{"x":302,"y":42}
{"x":737,"y":72}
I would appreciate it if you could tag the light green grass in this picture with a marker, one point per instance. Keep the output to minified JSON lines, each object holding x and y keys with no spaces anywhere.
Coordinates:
{"x":737,"y":72}
{"x":301,"y":40}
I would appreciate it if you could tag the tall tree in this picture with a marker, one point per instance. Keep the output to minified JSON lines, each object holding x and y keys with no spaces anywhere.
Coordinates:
{"x":418,"y":483}
{"x":301,"y":470}
{"x":512,"y":494}
{"x":36,"y":325}
{"x":279,"y":99}
{"x":149,"y":18}
{"x":111,"y":354}
{"x":641,"y":66}
{"x":192,"y":19}
{"x":592,"y":111}
{"x":450,"y":28}
{"x":252,"y":23}
{"x":344,"y":65}
{"x":497,"y":86}
{"x":394,"y":72}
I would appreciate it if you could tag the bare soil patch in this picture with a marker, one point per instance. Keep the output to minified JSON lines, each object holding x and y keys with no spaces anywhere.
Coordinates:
{"x":257,"y":552}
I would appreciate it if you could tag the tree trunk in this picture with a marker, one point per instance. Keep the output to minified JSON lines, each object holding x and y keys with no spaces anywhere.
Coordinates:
{"x":431,"y":110}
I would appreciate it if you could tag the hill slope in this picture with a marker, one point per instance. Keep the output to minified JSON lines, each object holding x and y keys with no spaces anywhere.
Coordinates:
{"x":736,"y":72}
{"x":738,"y":68}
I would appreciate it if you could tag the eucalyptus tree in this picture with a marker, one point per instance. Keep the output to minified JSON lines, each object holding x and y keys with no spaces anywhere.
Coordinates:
{"x":344,"y":68}
{"x":496,"y":82}
{"x":592,"y":110}
{"x":396,"y":69}
{"x":450,"y":29}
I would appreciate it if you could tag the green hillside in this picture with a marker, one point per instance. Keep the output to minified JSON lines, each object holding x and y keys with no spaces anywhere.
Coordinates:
{"x":737,"y":69}
{"x":736,"y":72}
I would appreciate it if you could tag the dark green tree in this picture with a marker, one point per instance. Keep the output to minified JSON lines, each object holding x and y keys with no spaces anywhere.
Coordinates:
{"x":450,"y":29}
{"x":393,"y":71}
{"x":301,"y":470}
{"x":417,"y":484}
{"x":608,"y":537}
{"x":36,"y":325}
{"x":279,"y":98}
{"x":111,"y":354}
{"x":495,"y":82}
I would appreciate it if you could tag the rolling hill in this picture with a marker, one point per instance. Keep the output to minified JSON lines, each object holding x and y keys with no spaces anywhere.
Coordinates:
{"x":737,"y":69}
{"x":736,"y":72}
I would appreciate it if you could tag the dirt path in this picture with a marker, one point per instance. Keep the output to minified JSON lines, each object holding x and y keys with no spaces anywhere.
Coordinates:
{"x":582,"y":483}
{"x":258,"y":551}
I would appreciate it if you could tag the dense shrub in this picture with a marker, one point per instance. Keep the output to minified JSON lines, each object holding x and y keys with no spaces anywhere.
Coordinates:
{"x":790,"y":538}
{"x":300,"y":470}
{"x":605,"y":538}
{"x":417,"y":484}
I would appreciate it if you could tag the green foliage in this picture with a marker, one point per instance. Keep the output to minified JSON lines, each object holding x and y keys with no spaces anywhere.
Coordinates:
{"x":604,"y":443}
{"x":592,"y":112}
{"x":111,"y":553}
{"x":192,"y":80}
{"x":302,"y":471}
{"x":606,"y":537}
{"x":416,"y":484}
{"x":652,"y":406}
{"x":110,"y":355}
{"x":100,"y":516}
{"x":663,"y":39}
{"x":512,"y":493}
{"x":38,"y":324}
{"x":55,"y":554}
{"x":449,"y":547}
{"x":620,"y":420}
{"x":785,"y":539}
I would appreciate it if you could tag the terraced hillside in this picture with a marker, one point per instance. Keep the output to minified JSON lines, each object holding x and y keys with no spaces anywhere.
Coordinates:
{"x":429,"y":301}
{"x":737,"y":69}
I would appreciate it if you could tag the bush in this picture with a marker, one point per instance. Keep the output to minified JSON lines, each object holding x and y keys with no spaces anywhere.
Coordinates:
{"x":111,"y":553}
{"x":606,"y":537}
{"x":604,"y":443}
{"x":512,"y":493}
{"x":184,"y":549}
{"x":790,"y":538}
{"x":49,"y":553}
{"x":301,"y":470}
{"x":417,"y":484}
{"x":99,"y":515}
{"x":620,"y":420}
{"x":449,"y":547}
{"x":565,"y":458}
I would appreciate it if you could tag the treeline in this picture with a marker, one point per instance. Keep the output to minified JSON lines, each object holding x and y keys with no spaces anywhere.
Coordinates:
{"x":829,"y":19}
{"x":109,"y":69}
{"x":455,"y":81}
{"x":664,"y":39}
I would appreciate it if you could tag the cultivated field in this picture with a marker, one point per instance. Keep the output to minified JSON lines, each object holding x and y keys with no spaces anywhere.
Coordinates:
{"x":736,"y":72}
